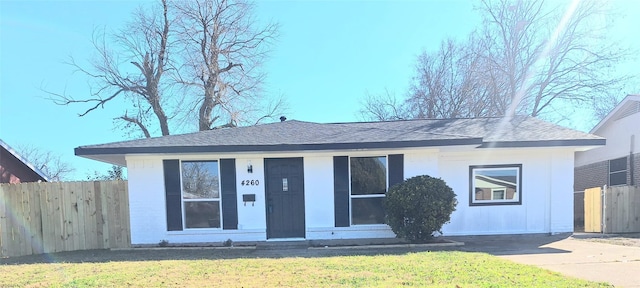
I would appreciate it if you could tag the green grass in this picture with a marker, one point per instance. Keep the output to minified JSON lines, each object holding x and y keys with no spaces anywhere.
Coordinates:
{"x":443,"y":269}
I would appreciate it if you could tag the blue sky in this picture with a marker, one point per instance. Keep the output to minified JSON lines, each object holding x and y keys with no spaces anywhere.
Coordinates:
{"x":329,"y":54}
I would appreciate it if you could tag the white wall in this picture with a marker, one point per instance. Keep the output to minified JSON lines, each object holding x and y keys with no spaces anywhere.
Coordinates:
{"x":547,"y":176}
{"x":561,"y":191}
{"x":618,"y":134}
{"x":547,"y":203}
{"x":251,"y":216}
{"x":146,"y":200}
{"x":147,"y":203}
{"x":318,"y":192}
{"x":423,"y":162}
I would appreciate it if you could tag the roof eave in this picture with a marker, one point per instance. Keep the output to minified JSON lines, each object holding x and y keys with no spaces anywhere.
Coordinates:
{"x":606,"y":119}
{"x":87,"y":151}
{"x":544,"y":143}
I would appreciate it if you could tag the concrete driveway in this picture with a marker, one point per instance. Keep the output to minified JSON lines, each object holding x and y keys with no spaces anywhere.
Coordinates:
{"x":616,"y":264}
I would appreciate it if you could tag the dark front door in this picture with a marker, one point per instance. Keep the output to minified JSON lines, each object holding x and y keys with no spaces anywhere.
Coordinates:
{"x":285,"y":197}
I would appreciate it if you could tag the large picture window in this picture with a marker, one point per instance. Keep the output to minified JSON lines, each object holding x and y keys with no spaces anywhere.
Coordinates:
{"x":495,"y":184}
{"x":368,"y":188}
{"x":201,"y":194}
{"x":618,"y":171}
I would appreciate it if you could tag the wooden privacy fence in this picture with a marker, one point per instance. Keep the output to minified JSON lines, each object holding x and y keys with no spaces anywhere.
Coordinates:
{"x":63,"y":216}
{"x":620,"y":206}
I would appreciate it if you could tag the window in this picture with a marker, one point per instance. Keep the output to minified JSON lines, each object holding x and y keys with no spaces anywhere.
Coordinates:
{"x":368,"y":188}
{"x":618,"y":171}
{"x":201,"y":194}
{"x":495,"y":184}
{"x":497,"y":194}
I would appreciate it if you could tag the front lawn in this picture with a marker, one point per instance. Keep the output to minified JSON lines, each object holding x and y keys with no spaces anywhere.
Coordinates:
{"x":444,"y":268}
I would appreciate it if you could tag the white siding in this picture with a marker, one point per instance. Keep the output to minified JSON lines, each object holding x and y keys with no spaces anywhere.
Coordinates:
{"x":561,"y":192}
{"x":318,"y":188}
{"x":146,"y":201}
{"x":547,"y":176}
{"x":251,"y":216}
{"x":421,"y":163}
{"x":618,"y":134}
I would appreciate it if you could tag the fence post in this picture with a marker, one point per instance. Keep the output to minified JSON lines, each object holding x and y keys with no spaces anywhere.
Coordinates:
{"x":604,"y":209}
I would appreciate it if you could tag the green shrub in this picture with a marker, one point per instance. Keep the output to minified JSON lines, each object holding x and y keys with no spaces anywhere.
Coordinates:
{"x":418,"y":207}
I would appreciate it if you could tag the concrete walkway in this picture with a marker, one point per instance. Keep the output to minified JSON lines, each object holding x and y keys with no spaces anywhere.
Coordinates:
{"x":615,"y":264}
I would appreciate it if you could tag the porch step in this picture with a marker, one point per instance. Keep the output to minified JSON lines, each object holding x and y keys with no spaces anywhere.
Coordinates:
{"x":280,"y":245}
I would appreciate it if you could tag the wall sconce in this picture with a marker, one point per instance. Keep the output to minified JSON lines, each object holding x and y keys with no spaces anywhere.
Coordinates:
{"x":249,"y":167}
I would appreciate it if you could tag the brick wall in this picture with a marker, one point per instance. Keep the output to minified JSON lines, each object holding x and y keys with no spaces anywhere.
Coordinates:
{"x":596,"y":174}
{"x":590,"y":175}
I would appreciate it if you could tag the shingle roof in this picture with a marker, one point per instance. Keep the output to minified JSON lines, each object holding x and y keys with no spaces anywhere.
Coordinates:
{"x":14,"y":153}
{"x":295,"y":135}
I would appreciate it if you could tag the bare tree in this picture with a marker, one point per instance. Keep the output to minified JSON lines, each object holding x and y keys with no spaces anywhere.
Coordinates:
{"x":50,"y":163}
{"x":448,"y":83}
{"x":549,"y":56}
{"x":114,"y":173}
{"x":223,"y":48}
{"x":530,"y":57}
{"x":133,"y":71}
{"x":178,"y":58}
{"x":384,"y":107}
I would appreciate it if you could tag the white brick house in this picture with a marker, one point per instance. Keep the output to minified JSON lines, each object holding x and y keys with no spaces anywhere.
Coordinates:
{"x":302,"y":180}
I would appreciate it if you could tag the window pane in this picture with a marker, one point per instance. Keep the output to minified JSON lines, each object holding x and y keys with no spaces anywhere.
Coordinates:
{"x":200,"y":180}
{"x":619,"y":164}
{"x":202,"y":214}
{"x":618,"y":178}
{"x":496,"y":184}
{"x":498,"y":194}
{"x":368,"y":175}
{"x":367,"y":210}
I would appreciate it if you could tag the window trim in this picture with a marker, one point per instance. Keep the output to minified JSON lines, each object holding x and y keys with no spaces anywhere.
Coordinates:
{"x":219,"y":199}
{"x":351,"y":196}
{"x":625,"y":170}
{"x":473,"y":202}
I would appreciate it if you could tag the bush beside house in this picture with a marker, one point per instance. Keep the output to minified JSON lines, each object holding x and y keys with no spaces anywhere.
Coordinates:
{"x":418,"y":207}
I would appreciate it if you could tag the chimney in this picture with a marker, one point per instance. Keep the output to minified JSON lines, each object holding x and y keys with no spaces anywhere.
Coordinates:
{"x":282,"y":118}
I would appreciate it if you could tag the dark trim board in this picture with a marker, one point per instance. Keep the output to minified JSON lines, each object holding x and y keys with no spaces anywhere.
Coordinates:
{"x":341,"y":191}
{"x":276,"y":148}
{"x":546,"y":143}
{"x":396,"y":169}
{"x":229,"y":194}
{"x":81,"y":151}
{"x":173,"y":194}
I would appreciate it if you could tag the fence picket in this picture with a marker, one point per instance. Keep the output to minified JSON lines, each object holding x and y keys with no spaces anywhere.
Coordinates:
{"x":47,"y":236}
{"x":63,"y":216}
{"x":36,"y":215}
{"x":3,"y":221}
{"x":88,"y":208}
{"x":622,"y":214}
{"x":18,"y":219}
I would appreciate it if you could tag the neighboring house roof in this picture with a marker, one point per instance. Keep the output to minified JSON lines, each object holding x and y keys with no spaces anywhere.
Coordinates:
{"x":292,"y":135}
{"x":496,"y":181}
{"x":14,"y":154}
{"x":629,"y":105}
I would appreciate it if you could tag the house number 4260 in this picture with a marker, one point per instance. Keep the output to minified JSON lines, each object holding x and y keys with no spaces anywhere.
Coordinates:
{"x":250,"y":182}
